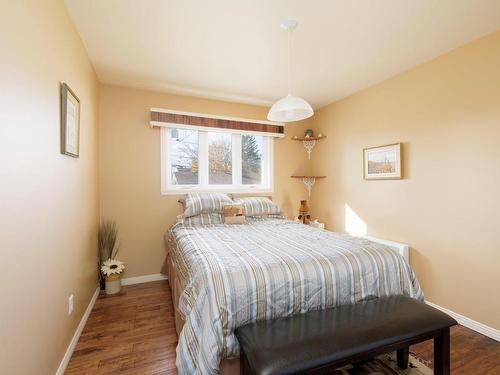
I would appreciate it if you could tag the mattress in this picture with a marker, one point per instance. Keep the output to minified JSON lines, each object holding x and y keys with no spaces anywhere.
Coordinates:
{"x":230,"y":275}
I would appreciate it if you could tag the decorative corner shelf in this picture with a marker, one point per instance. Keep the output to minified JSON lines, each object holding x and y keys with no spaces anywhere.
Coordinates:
{"x":309,"y":143}
{"x":309,"y":181}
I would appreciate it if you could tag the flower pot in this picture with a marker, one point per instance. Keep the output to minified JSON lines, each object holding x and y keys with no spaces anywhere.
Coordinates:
{"x":102,"y":282}
{"x":113,"y":283}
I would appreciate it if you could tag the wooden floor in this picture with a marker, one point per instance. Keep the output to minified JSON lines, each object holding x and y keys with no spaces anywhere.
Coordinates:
{"x":134,"y":334}
{"x":130,"y":334}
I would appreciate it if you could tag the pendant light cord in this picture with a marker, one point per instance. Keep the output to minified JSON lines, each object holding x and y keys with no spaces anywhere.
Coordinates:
{"x":290,"y":108}
{"x":289,"y":77}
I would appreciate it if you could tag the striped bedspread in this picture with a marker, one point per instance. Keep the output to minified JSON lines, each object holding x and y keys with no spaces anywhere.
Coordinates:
{"x":236,"y":274}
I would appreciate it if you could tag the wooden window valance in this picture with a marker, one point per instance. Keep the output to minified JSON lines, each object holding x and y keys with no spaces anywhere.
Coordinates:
{"x":178,"y":119}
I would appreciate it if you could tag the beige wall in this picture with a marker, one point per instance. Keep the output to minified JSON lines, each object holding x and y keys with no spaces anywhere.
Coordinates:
{"x":130,"y":169}
{"x":447,"y":114}
{"x":48,"y":202}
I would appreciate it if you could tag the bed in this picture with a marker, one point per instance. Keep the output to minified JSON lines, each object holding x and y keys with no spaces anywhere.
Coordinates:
{"x":224,"y":276}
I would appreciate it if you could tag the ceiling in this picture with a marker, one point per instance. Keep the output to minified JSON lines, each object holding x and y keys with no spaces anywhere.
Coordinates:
{"x":235,"y":50}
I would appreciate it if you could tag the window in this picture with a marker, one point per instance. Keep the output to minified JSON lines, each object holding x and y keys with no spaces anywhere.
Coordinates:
{"x":184,"y":157}
{"x":220,"y":167}
{"x":215,"y":160}
{"x":251,"y":159}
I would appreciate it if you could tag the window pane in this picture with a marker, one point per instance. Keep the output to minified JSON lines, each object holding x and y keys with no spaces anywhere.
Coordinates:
{"x":251,"y":159}
{"x":219,"y":159}
{"x":183,"y":148}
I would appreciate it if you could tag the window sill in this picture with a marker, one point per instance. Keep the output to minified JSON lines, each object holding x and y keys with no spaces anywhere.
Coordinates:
{"x":256,"y":190}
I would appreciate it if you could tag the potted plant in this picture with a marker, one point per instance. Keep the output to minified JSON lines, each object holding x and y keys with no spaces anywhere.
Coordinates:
{"x":109,"y":269}
{"x":112,"y":269}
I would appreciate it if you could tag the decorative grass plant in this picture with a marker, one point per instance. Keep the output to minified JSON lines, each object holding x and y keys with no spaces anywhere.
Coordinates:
{"x":107,"y":247}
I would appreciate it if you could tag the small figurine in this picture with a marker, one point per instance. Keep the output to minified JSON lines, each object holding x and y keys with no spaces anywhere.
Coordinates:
{"x":309,"y":133}
{"x":304,"y":215}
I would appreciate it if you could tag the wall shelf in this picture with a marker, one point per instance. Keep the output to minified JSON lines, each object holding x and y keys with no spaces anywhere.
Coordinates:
{"x":309,"y":143}
{"x":309,"y":181}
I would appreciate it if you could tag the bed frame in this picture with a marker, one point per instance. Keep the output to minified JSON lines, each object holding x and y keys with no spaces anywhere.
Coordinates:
{"x":401,"y":248}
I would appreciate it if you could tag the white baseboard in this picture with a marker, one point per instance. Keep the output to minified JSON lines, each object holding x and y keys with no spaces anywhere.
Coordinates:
{"x":83,"y":321}
{"x":469,"y":323}
{"x":76,"y":336}
{"x":143,"y":279}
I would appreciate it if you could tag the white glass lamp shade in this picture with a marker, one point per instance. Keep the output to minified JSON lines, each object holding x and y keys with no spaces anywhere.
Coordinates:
{"x":290,"y":108}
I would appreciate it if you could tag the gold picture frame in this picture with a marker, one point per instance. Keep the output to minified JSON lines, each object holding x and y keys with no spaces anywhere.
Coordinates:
{"x":383,"y":162}
{"x":70,"y":122}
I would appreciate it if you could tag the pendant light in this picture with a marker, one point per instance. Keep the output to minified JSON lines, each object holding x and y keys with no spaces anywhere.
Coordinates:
{"x":290,"y":108}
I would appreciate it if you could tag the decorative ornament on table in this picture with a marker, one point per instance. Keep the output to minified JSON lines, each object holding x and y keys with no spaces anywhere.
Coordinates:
{"x":304,"y":216}
{"x":309,"y":133}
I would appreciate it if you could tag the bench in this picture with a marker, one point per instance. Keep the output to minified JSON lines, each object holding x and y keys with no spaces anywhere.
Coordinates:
{"x":317,"y":341}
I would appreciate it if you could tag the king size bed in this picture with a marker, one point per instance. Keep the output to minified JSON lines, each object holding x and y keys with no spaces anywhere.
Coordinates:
{"x":225,"y":276}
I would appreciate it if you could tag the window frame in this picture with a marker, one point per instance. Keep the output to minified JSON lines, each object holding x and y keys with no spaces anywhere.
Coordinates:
{"x":167,"y":188}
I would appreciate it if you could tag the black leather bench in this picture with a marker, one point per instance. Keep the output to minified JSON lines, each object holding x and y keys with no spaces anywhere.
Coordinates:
{"x":326,"y":339}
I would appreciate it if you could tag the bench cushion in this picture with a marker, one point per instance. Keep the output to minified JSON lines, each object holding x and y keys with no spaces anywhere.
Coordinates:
{"x":318,"y":338}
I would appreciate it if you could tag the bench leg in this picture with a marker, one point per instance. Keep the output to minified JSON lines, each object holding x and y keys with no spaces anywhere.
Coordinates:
{"x":442,"y":353}
{"x":402,"y":356}
{"x":244,"y":367}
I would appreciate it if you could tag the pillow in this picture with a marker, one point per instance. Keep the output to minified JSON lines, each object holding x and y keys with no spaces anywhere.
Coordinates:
{"x":258,"y":206}
{"x":202,"y":219}
{"x":233,"y":214}
{"x":182,"y":200}
{"x":198,"y":203}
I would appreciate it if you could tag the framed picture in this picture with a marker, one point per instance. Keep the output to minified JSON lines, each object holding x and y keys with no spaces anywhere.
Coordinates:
{"x":70,"y":122}
{"x":382,"y":163}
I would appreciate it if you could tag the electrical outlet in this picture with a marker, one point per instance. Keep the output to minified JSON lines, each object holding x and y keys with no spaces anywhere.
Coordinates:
{"x":70,"y":304}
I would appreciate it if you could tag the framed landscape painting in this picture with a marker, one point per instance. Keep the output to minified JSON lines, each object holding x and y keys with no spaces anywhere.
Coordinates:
{"x":70,"y":122}
{"x":382,"y":163}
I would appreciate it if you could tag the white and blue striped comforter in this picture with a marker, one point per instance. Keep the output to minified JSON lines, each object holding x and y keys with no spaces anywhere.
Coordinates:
{"x":237,"y":274}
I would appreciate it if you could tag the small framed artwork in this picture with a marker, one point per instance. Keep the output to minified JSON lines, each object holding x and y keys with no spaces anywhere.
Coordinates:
{"x":382,"y":163}
{"x":70,"y":122}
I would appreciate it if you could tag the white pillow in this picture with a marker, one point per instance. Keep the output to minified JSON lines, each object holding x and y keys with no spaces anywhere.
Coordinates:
{"x":198,"y":203}
{"x":258,"y":206}
{"x":202,"y":219}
